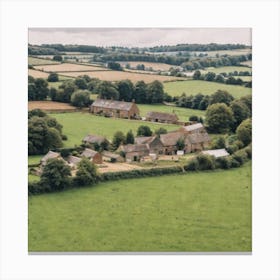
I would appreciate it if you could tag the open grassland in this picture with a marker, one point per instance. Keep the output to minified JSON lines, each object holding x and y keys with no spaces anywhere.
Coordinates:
{"x":194,"y":87}
{"x":154,"y":65}
{"x":69,"y":67}
{"x":50,"y":106}
{"x":77,"y":125}
{"x":40,"y":61}
{"x":194,"y":212}
{"x":244,"y":78}
{"x":122,"y":75}
{"x":182,"y":113}
{"x":37,"y":74}
{"x":226,"y":69}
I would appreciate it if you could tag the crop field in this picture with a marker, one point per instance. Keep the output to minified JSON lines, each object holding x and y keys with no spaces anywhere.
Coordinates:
{"x":154,"y":65}
{"x":37,"y":74}
{"x":226,"y":69}
{"x":39,"y":61}
{"x":122,"y":75}
{"x":77,"y":125}
{"x":50,"y":106}
{"x":69,"y":67}
{"x":247,"y":63}
{"x":244,"y":78}
{"x":182,"y":113}
{"x":205,"y":212}
{"x":194,"y":87}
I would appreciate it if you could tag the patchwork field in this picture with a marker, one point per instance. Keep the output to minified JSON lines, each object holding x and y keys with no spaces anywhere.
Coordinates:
{"x":227,"y":69}
{"x":205,"y":212}
{"x":37,"y":74}
{"x":40,"y":61}
{"x":154,"y":65}
{"x":69,"y":67}
{"x":77,"y":125}
{"x":50,"y":106}
{"x":122,"y":75}
{"x":247,"y":63}
{"x":182,"y":113}
{"x":194,"y":87}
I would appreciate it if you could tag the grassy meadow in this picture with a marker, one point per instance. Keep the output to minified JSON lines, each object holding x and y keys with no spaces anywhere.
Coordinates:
{"x":77,"y":125}
{"x":194,"y":212}
{"x":40,"y":61}
{"x":193,"y":87}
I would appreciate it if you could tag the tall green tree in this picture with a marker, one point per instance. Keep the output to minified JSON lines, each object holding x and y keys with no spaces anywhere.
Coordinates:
{"x":126,"y":90}
{"x":118,"y":139}
{"x":240,"y":112}
{"x":144,"y":130}
{"x":107,"y":90}
{"x":129,"y":137}
{"x":140,"y":92}
{"x":155,"y":92}
{"x":244,"y":132}
{"x":221,"y":96}
{"x":80,"y":98}
{"x":86,"y":173}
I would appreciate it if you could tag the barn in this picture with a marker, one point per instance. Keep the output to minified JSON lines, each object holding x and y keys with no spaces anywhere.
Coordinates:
{"x":162,"y":117}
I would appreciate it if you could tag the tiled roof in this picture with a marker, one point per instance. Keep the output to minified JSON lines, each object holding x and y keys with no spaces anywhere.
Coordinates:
{"x":193,"y":126}
{"x":144,"y":139}
{"x":171,"y":138}
{"x":74,"y":160}
{"x":94,"y":139}
{"x":89,"y":153}
{"x":112,"y":104}
{"x":135,"y":148}
{"x":198,"y":138}
{"x":110,"y":155}
{"x":162,"y":116}
{"x":49,"y":155}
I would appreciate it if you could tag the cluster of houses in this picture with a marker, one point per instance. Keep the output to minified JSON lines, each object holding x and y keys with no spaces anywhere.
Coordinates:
{"x":129,"y":110}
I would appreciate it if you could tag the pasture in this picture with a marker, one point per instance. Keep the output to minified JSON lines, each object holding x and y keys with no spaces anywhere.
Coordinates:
{"x":156,"y":66}
{"x":77,"y":125}
{"x":247,"y":63}
{"x":69,"y":67}
{"x":192,"y":87}
{"x":226,"y":69}
{"x":40,"y":61}
{"x":182,"y":113}
{"x":122,"y":75}
{"x":193,"y":212}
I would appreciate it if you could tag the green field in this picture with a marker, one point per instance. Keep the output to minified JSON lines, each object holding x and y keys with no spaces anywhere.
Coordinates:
{"x":244,"y":78}
{"x":39,"y":61}
{"x":194,"y":87}
{"x":77,"y":125}
{"x":34,"y":159}
{"x":33,"y":178}
{"x":195,"y":212}
{"x":227,"y":69}
{"x":182,"y":113}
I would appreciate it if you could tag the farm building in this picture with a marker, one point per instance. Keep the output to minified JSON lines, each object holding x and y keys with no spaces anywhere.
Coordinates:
{"x":134,"y":152}
{"x":162,"y":117}
{"x":199,"y":141}
{"x":96,"y":139}
{"x":216,"y":153}
{"x":116,"y":109}
{"x":73,"y":161}
{"x":169,"y":141}
{"x":154,"y":143}
{"x":92,"y":155}
{"x":193,"y":128}
{"x":50,"y":155}
{"x":112,"y":157}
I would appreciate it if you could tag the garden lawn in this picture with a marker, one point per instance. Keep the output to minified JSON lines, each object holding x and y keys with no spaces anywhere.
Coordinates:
{"x":194,"y":212}
{"x":77,"y":125}
{"x":194,"y":87}
{"x":182,"y":113}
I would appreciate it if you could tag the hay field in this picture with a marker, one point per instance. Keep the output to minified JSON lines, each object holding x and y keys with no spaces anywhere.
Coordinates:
{"x":50,"y":106}
{"x":154,"y":65}
{"x":121,"y":75}
{"x":247,"y":63}
{"x":68,"y":67}
{"x":37,"y":74}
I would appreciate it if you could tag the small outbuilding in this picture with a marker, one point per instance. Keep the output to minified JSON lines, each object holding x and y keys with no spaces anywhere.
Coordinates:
{"x":216,"y":153}
{"x":193,"y":128}
{"x":154,"y":143}
{"x":112,"y":157}
{"x":93,"y":156}
{"x":161,"y":117}
{"x":73,"y":161}
{"x":134,"y":152}
{"x":50,"y":155}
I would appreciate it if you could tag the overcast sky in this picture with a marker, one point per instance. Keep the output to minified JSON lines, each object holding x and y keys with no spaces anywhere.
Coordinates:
{"x":138,"y":37}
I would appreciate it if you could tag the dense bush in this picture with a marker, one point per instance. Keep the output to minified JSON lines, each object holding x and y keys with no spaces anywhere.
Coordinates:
{"x":205,"y":162}
{"x":53,"y":77}
{"x":192,"y":165}
{"x":240,"y":156}
{"x":223,"y":163}
{"x":86,"y":173}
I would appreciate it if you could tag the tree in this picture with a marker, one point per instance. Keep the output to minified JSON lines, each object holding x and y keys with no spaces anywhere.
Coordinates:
{"x":247,"y":100}
{"x":204,"y":103}
{"x":118,"y":139}
{"x":160,"y":130}
{"x":193,"y":118}
{"x":53,"y":77}
{"x":244,"y":132}
{"x":210,"y":76}
{"x":81,"y":83}
{"x":107,"y":90}
{"x":56,"y":174}
{"x":36,"y":112}
{"x":86,"y":173}
{"x":219,"y":118}
{"x":218,"y":143}
{"x":196,"y":75}
{"x":38,"y":90}
{"x":114,"y":66}
{"x":80,"y":98}
{"x":129,"y":137}
{"x":93,"y":85}
{"x":196,"y":100}
{"x":240,"y":112}
{"x":220,"y":79}
{"x":57,"y":58}
{"x":180,"y":144}
{"x":144,"y":130}
{"x":140,"y":92}
{"x":221,"y":96}
{"x":126,"y":90}
{"x":155,"y":92}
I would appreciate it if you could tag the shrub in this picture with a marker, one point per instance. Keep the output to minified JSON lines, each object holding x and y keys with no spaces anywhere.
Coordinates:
{"x":240,"y":156}
{"x":248,"y":150}
{"x":223,"y":163}
{"x":64,"y":137}
{"x":205,"y":162}
{"x":233,"y":162}
{"x":232,"y":148}
{"x":192,"y":165}
{"x":86,"y":173}
{"x":53,"y":77}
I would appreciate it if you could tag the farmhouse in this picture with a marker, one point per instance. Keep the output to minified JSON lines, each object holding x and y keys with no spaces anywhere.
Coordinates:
{"x":216,"y":153}
{"x":193,"y":128}
{"x":96,"y":139}
{"x":116,"y":109}
{"x":170,"y":140}
{"x":161,"y":117}
{"x":112,"y":157}
{"x":154,"y":143}
{"x":92,"y":155}
{"x":73,"y":161}
{"x":50,"y":155}
{"x":134,"y":152}
{"x":199,"y":141}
